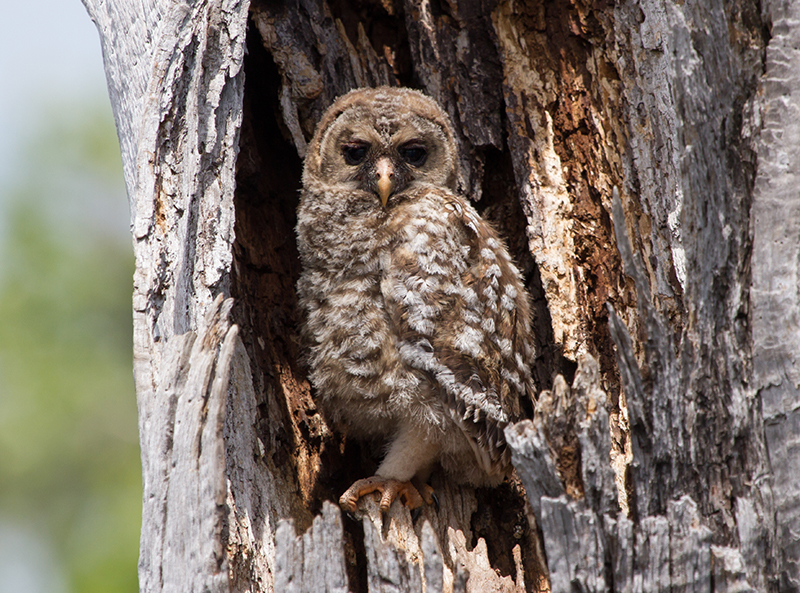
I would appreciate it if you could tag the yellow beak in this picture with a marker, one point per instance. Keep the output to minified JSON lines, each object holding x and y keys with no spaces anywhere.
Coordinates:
{"x":385,"y":173}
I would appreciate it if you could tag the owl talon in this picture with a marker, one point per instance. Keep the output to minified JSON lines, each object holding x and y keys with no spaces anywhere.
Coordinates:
{"x":350,"y":516}
{"x":435,"y":500}
{"x":390,"y":491}
{"x":415,"y":514}
{"x":428,"y":495}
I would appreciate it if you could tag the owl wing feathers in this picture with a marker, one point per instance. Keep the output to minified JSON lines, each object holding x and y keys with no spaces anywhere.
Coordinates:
{"x":461,"y":315}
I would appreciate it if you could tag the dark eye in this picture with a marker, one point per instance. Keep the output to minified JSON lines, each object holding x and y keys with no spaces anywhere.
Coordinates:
{"x":414,"y":154}
{"x":354,"y":154}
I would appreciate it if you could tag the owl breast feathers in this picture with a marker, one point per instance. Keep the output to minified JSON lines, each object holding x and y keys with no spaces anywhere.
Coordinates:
{"x":417,"y":321}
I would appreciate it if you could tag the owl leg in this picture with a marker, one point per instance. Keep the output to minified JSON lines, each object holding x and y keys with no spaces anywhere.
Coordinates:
{"x":411,"y":454}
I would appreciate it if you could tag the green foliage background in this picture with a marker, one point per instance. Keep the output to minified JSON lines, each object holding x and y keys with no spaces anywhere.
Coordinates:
{"x":69,"y":453}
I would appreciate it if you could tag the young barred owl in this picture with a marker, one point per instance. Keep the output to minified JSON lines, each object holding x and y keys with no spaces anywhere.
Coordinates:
{"x":417,"y":321}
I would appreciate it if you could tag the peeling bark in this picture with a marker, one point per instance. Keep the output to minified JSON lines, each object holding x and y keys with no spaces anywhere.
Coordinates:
{"x":664,"y":449}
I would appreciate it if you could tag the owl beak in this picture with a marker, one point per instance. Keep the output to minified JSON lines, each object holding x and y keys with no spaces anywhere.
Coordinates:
{"x":385,"y":173}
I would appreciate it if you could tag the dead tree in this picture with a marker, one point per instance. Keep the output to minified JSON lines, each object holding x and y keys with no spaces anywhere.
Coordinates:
{"x":664,"y":452}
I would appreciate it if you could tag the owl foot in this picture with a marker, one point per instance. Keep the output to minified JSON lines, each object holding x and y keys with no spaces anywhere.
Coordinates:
{"x":429,"y":495}
{"x":390,"y":490}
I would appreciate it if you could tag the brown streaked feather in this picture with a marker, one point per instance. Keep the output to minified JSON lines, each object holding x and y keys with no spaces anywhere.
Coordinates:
{"x":481,"y":400}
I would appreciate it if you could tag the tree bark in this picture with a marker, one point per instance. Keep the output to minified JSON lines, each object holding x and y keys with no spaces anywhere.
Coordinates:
{"x":640,"y":159}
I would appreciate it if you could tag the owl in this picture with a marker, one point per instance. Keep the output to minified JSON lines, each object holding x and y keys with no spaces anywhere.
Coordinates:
{"x":416,"y":320}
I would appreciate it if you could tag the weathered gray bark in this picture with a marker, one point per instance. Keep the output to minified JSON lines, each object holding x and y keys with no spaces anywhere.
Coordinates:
{"x":670,"y":456}
{"x":774,"y":302}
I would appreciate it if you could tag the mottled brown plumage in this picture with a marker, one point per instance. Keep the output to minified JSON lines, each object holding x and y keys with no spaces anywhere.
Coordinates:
{"x":417,"y":321}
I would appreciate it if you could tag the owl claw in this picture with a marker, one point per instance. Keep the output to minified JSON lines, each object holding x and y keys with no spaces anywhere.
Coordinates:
{"x":415,"y":514}
{"x":389,"y":489}
{"x":435,"y":499}
{"x":351,"y":516}
{"x":429,"y":495}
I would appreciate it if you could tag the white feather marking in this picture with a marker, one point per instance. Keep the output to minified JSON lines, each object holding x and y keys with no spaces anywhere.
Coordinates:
{"x":528,"y":350}
{"x":428,"y":310}
{"x":429,"y":285}
{"x":421,"y":325}
{"x":488,"y":325}
{"x":412,"y":299}
{"x":419,"y":244}
{"x":450,"y":288}
{"x":433,"y":268}
{"x":467,"y":413}
{"x":395,"y":288}
{"x":363,"y":284}
{"x":399,"y":383}
{"x":413,"y":282}
{"x":417,"y":356}
{"x":504,"y":344}
{"x":435,"y":229}
{"x":470,"y":341}
{"x":486,"y":401}
{"x":362,"y":369}
{"x":479,"y":403}
{"x":470,"y":297}
{"x":346,"y":300}
{"x":487,"y":254}
{"x":507,"y":303}
{"x":471,"y":317}
{"x":511,"y":377}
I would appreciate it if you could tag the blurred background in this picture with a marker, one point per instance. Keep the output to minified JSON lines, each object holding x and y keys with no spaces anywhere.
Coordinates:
{"x":70,"y":481}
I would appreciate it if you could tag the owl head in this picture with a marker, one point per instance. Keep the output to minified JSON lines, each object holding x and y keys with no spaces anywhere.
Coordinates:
{"x":382,"y":142}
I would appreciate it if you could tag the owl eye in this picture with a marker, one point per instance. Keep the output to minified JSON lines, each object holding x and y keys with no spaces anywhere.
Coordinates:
{"x":414,"y":154}
{"x":355,"y":154}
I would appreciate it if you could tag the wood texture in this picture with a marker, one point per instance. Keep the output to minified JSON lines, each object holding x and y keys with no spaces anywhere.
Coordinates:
{"x":774,"y":303}
{"x":314,"y":561}
{"x":663,"y":453}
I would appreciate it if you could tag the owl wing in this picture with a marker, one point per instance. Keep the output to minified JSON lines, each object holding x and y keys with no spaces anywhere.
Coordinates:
{"x":462,"y":316}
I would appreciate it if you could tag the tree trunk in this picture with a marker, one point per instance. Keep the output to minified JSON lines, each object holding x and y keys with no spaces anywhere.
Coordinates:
{"x":640,"y":159}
